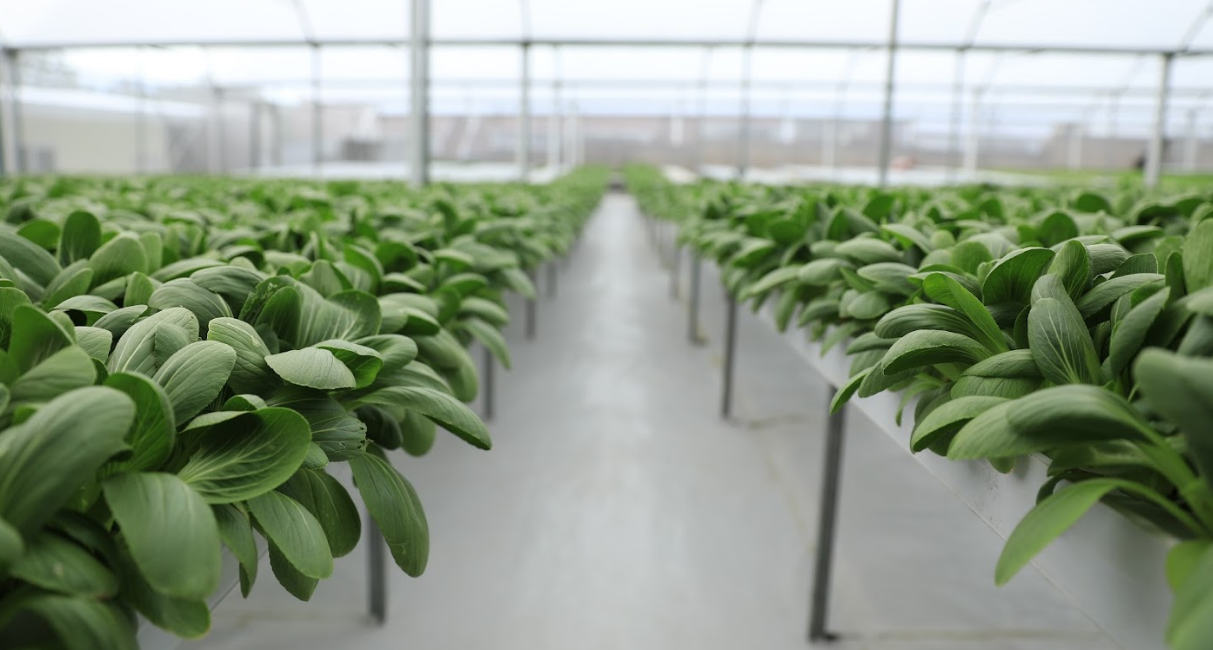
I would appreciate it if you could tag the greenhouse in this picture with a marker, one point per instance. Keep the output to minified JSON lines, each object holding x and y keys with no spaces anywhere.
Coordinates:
{"x":877,"y":325}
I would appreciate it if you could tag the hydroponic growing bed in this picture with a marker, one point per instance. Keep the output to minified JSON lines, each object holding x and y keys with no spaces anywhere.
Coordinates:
{"x":185,"y":362}
{"x":1060,"y":326}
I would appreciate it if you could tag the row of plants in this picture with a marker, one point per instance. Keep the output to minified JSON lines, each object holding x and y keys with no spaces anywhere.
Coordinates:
{"x":1070,"y":324}
{"x":185,"y":361}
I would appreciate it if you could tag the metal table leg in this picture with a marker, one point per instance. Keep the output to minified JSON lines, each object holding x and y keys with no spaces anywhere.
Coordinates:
{"x":674,"y":279}
{"x":827,"y":526}
{"x":693,"y":314}
{"x":730,"y":356}
{"x":530,"y":307}
{"x":376,"y":573}
{"x":489,"y":387}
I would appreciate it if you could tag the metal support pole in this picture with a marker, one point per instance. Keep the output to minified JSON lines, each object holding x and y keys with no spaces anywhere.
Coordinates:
{"x":743,"y":137}
{"x":693,"y":314}
{"x":141,"y":163}
{"x":214,"y":139}
{"x":730,"y":355}
{"x":376,"y":573}
{"x":276,"y":141}
{"x":419,"y":117}
{"x":675,"y":281}
{"x":554,"y":129}
{"x":1190,"y":143}
{"x":551,"y":279}
{"x":317,"y":114}
{"x":523,"y":155}
{"x":974,"y":140}
{"x":4,"y":103}
{"x":886,"y":128}
{"x":955,"y":158}
{"x":1157,"y":139}
{"x":1074,"y":150}
{"x":254,"y":136}
{"x":17,"y":107}
{"x":827,"y":525}
{"x":487,"y":360}
{"x":531,"y":307}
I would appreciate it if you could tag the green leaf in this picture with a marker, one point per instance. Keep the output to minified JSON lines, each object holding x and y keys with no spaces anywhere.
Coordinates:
{"x":1011,"y":278}
{"x":1181,"y":390}
{"x":81,"y":237}
{"x":95,"y":342}
{"x":312,"y":367}
{"x":135,"y":350}
{"x":948,"y":418}
{"x":1182,"y":559}
{"x":929,"y":347}
{"x":446,"y":411}
{"x":1100,"y":298}
{"x":250,"y":373}
{"x":57,"y":564}
{"x":1072,"y":266}
{"x":170,"y":531}
{"x":295,"y":532}
{"x":194,"y":375}
{"x":295,"y":582}
{"x":364,"y":362}
{"x":340,"y":434}
{"x":1061,"y":344}
{"x":243,"y":457}
{"x":488,"y":336}
{"x":53,"y":438}
{"x":80,"y":623}
{"x":822,"y":272}
{"x":120,"y":256}
{"x":921,"y":316}
{"x":183,"y":292}
{"x":1048,"y":520}
{"x":1191,"y":623}
{"x":944,"y":289}
{"x":771,"y":280}
{"x":65,"y":370}
{"x":1047,"y":419}
{"x":236,"y":531}
{"x":36,"y":336}
{"x":29,"y":258}
{"x":1197,"y":262}
{"x":394,"y":506}
{"x":1130,"y":333}
{"x":72,"y":282}
{"x":396,"y":350}
{"x":184,"y":617}
{"x":11,"y":546}
{"x":325,"y":498}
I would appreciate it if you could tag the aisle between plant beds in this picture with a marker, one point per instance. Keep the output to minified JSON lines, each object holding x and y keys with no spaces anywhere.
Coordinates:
{"x":1120,"y":590}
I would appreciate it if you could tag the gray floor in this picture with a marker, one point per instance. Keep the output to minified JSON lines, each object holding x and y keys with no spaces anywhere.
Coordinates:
{"x":617,"y":511}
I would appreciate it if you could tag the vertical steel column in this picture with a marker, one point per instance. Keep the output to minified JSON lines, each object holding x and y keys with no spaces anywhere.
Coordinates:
{"x":974,"y":140}
{"x":254,"y":135}
{"x":4,"y":103}
{"x":1157,"y":139}
{"x":141,"y":163}
{"x":955,"y":158}
{"x":675,"y":280}
{"x":743,"y":136}
{"x":489,"y":387}
{"x":693,"y":313}
{"x":730,"y":355}
{"x":886,"y":128}
{"x":214,"y":140}
{"x":317,"y":114}
{"x":827,"y":525}
{"x":419,"y":116}
{"x":376,"y":570}
{"x":551,"y":279}
{"x":530,"y":305}
{"x":554,"y":129}
{"x":1190,"y":142}
{"x":276,"y":140}
{"x":523,"y":155}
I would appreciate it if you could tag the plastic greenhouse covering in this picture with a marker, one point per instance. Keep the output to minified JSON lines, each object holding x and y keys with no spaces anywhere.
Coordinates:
{"x":1006,"y":71}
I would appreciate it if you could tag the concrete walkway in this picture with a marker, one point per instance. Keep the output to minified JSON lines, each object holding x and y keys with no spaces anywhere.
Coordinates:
{"x":617,"y":511}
